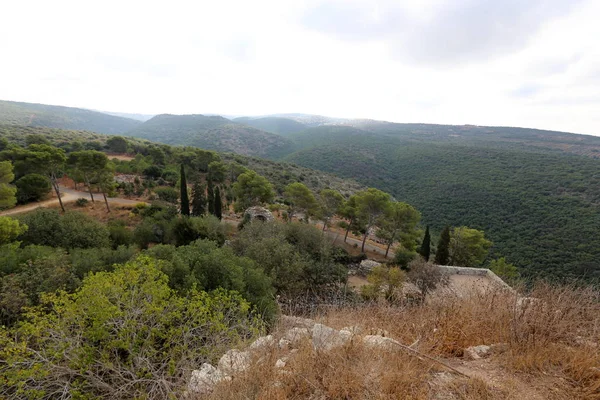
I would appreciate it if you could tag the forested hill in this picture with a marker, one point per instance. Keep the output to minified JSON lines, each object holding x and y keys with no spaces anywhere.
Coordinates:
{"x":30,"y":114}
{"x":279,"y":125}
{"x":213,"y":133}
{"x":535,"y":193}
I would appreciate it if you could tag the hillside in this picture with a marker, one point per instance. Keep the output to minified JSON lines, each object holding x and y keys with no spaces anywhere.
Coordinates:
{"x":279,"y":125}
{"x":535,"y":193}
{"x":30,"y":114}
{"x":212,"y":133}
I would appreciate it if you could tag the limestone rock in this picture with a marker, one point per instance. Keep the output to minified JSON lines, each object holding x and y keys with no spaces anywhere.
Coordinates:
{"x":477,"y":352}
{"x":354,"y":330}
{"x":234,"y":361}
{"x":262,"y":343}
{"x":296,"y":335}
{"x":380,"y":342}
{"x":367,"y":265}
{"x":326,"y":338}
{"x":280,"y":363}
{"x":259,"y":214}
{"x":293,"y":322}
{"x":202,"y":381}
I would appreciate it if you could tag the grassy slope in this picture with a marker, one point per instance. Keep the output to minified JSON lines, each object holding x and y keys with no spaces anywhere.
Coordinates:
{"x":278,"y":125}
{"x":212,"y":133}
{"x":536,"y":200}
{"x":63,"y":117}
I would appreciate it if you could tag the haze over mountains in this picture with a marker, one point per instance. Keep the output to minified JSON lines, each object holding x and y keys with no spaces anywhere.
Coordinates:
{"x":535,"y":193}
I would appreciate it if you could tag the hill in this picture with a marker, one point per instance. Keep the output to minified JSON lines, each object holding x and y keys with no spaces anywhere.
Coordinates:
{"x":279,"y":125}
{"x":535,"y":193}
{"x":30,"y":114}
{"x":212,"y":133}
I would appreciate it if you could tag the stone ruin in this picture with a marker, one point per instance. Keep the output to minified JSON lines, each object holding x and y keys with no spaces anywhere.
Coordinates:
{"x":259,"y":214}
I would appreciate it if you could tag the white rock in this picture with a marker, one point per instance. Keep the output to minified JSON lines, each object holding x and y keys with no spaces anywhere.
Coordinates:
{"x":280,"y":363}
{"x":203,"y":381}
{"x":477,"y":352}
{"x":354,"y":330}
{"x":326,"y":338}
{"x":284,"y":344}
{"x":380,"y":342}
{"x":368,"y":265}
{"x":296,"y":335}
{"x":235,"y":361}
{"x":262,"y":342}
{"x":292,"y":322}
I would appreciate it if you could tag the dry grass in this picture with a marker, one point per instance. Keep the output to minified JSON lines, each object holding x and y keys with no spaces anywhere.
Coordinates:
{"x":552,"y":348}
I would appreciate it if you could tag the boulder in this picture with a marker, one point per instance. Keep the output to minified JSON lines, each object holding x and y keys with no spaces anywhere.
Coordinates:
{"x":353,"y":330}
{"x":203,"y":380}
{"x":262,"y":343}
{"x":293,"y":322}
{"x":234,"y":361}
{"x":296,"y":335}
{"x":477,"y":352}
{"x":259,"y":213}
{"x":367,"y":265}
{"x":326,"y":338}
{"x":380,"y":342}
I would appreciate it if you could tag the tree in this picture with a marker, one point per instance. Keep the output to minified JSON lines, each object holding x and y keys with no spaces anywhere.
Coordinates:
{"x":371,"y":205}
{"x":117,"y":144}
{"x":399,"y":222}
{"x":210,"y":194}
{"x":32,"y":187}
{"x":198,"y":200}
{"x":51,"y":160}
{"x":10,"y":229}
{"x":217,"y":171}
{"x":92,"y":165}
{"x":251,"y":189}
{"x":442,"y":255}
{"x":426,"y":276}
{"x":425,"y":249}
{"x":503,"y":269}
{"x":218,"y":204}
{"x":382,"y":278}
{"x":468,"y":247}
{"x":331,"y":202}
{"x":7,"y":192}
{"x":167,"y":194}
{"x":300,"y":199}
{"x":349,"y":210}
{"x":185,"y":201}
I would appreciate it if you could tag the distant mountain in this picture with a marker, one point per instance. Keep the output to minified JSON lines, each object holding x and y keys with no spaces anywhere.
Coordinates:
{"x":137,"y":117}
{"x":278,"y":125}
{"x":213,"y":133}
{"x":30,"y":114}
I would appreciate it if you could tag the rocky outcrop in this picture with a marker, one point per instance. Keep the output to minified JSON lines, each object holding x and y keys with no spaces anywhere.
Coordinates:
{"x":259,"y":214}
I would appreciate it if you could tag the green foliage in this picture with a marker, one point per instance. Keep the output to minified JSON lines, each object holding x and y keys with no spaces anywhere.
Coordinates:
{"x":218,"y":204}
{"x":252,"y":189}
{"x":122,"y":334}
{"x":281,"y":126}
{"x":210,"y":196}
{"x":386,"y":281}
{"x":32,"y":187}
{"x":81,"y":202}
{"x":425,"y":276}
{"x":184,"y":199}
{"x":468,"y":247}
{"x":331,"y":203}
{"x":198,"y":200}
{"x":300,"y":199}
{"x":188,"y":229}
{"x":503,"y":269}
{"x":425,"y":249}
{"x":371,"y":204}
{"x":217,"y":171}
{"x":73,"y":230}
{"x":117,"y":144}
{"x":399,"y":223}
{"x":10,"y":229}
{"x":167,"y":194}
{"x":442,"y":254}
{"x":7,"y":192}
{"x":119,"y":234}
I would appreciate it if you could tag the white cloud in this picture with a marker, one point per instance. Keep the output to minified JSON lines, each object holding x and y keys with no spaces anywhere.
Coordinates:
{"x":538,"y":65}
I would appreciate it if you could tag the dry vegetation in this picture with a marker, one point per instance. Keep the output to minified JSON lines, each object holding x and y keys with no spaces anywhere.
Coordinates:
{"x":551,"y":351}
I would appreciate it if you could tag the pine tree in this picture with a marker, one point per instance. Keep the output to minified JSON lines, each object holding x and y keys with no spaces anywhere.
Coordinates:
{"x":185,"y":200}
{"x":210,"y":194}
{"x":442,"y":254}
{"x":198,"y":200}
{"x":425,"y":249}
{"x":218,"y":204}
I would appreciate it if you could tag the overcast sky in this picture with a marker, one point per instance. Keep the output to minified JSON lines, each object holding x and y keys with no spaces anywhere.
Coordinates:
{"x":530,"y":63}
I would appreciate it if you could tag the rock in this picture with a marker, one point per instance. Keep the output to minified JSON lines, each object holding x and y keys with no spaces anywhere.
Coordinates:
{"x":262,"y":343}
{"x":326,"y":338}
{"x":284,"y":344}
{"x":280,"y":363}
{"x":202,"y":381}
{"x":259,"y":213}
{"x":367,"y":265}
{"x":477,"y":352}
{"x":380,"y":342}
{"x":293,"y":322}
{"x":296,"y":335}
{"x":234,"y":361}
{"x":354,"y":330}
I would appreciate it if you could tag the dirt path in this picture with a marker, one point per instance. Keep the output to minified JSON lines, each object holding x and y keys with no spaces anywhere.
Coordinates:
{"x":68,"y":196}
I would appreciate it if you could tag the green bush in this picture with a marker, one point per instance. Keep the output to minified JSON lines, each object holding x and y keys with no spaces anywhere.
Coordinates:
{"x":81,"y":202}
{"x":168,"y":194}
{"x":32,"y":187}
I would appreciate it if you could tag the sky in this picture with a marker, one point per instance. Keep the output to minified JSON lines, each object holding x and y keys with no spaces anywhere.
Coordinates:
{"x":533,"y":63}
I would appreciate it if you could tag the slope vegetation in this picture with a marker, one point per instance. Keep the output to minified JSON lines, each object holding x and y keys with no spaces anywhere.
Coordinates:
{"x":279,"y":125}
{"x":30,"y":114}
{"x":212,"y":133}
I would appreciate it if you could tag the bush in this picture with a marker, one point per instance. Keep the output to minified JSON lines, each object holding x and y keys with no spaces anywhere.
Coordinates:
{"x":168,"y":194}
{"x":136,"y":326}
{"x":119,"y":234}
{"x":32,"y":187}
{"x":185,"y":230}
{"x":81,"y":202}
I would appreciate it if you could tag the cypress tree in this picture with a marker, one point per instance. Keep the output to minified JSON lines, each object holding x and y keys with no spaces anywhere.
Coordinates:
{"x":210,"y":194}
{"x":425,"y":249}
{"x":218,"y":204}
{"x":442,"y":254}
{"x":185,"y":200}
{"x":198,"y":200}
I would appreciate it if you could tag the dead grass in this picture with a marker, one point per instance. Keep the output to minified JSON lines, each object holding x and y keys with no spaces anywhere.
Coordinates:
{"x":551,"y":346}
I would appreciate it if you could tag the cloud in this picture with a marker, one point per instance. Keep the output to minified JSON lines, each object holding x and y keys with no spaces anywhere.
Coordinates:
{"x":527,"y":90}
{"x":455,"y":32}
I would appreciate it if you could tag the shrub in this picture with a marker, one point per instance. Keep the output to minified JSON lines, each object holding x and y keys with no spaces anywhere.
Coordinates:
{"x":32,"y":187}
{"x":168,"y":194}
{"x":136,"y":339}
{"x":81,"y":202}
